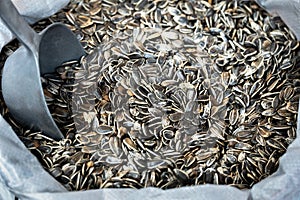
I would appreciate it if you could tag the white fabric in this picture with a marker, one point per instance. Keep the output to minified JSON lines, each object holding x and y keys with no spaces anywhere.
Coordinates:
{"x":16,"y":162}
{"x":33,"y":10}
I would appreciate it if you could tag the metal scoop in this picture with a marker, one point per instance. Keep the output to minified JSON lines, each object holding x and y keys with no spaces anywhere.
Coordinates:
{"x":40,"y":53}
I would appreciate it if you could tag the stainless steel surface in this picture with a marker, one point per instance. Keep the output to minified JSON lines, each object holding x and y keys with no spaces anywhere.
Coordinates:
{"x":41,"y":53}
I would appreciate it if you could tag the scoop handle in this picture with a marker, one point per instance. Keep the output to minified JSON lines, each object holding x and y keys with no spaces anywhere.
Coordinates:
{"x":18,"y":26}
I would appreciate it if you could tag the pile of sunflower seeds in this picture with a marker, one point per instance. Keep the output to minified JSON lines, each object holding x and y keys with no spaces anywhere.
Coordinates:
{"x":178,"y":93}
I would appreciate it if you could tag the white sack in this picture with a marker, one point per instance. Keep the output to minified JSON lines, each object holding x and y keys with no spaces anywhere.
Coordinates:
{"x":23,"y":176}
{"x":33,"y":10}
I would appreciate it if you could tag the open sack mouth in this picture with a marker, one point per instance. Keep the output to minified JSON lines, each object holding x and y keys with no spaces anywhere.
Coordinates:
{"x":171,"y":94}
